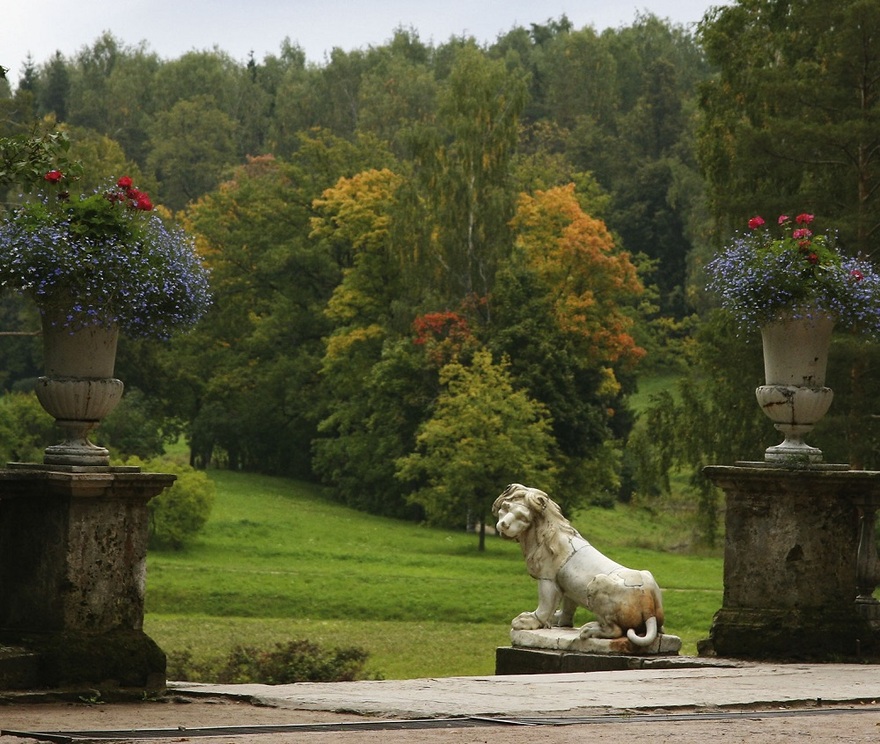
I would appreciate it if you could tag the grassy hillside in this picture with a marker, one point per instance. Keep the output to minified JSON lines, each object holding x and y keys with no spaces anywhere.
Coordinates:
{"x":278,"y":562}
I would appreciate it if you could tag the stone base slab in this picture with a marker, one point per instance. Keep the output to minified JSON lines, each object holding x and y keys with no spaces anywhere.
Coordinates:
{"x":568,"y":639}
{"x":795,"y":635}
{"x":509,"y":660}
{"x":110,"y":663}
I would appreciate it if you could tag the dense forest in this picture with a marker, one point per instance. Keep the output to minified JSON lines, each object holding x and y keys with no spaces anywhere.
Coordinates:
{"x":441,"y":268}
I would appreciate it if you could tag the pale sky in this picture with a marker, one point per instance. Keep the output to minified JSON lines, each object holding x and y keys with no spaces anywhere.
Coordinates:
{"x":174,"y":27}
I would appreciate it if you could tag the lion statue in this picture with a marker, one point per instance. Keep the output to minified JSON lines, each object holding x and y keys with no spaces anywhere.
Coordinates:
{"x":572,"y":573}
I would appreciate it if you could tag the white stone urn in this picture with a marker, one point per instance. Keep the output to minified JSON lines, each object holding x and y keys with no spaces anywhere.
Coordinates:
{"x":794,"y":396}
{"x":78,"y":388}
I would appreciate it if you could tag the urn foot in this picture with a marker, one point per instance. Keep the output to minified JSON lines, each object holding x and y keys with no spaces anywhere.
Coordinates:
{"x":78,"y":405}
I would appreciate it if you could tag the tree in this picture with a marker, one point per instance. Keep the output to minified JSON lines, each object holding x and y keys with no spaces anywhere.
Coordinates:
{"x":192,"y":144}
{"x":103,"y":160}
{"x":136,"y":427}
{"x":250,"y":367}
{"x":581,"y":79}
{"x":398,"y":91}
{"x":54,"y":94}
{"x":794,"y":114}
{"x":467,"y":177}
{"x":563,"y":315}
{"x":713,"y":418}
{"x":591,"y":282}
{"x":482,"y":435}
{"x":375,"y":380}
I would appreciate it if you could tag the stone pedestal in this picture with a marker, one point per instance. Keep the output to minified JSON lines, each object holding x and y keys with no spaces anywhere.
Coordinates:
{"x":795,"y":540}
{"x":73,"y":545}
{"x":554,"y":650}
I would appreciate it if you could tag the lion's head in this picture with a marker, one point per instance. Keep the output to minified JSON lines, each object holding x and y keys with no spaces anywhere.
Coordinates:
{"x":531,"y":517}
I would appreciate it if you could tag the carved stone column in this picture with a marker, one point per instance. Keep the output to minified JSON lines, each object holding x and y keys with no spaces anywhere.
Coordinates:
{"x":867,"y":562}
{"x":793,"y":565}
{"x":73,"y":546}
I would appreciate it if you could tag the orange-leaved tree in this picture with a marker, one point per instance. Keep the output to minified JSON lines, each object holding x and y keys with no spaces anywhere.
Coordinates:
{"x":590,"y":282}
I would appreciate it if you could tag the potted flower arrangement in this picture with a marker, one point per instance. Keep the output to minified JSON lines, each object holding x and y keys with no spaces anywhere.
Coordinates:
{"x":795,"y":285}
{"x":96,"y":265}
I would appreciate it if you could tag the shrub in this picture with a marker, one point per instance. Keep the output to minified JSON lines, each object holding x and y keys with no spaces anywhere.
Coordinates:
{"x":25,"y":428}
{"x":181,"y":511}
{"x":286,"y":663}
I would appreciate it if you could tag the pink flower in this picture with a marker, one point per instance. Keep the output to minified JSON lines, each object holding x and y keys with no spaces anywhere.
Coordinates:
{"x":804,"y":219}
{"x":801,"y":233}
{"x":756,"y":222}
{"x":54,"y":176}
{"x":782,"y":219}
{"x":857,"y":275}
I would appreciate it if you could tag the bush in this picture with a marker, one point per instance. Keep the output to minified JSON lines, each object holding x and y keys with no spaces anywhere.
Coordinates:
{"x":286,"y":663}
{"x":25,"y":428}
{"x":181,"y":511}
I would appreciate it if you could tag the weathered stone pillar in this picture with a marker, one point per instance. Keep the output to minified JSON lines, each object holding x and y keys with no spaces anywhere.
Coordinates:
{"x":791,"y":563}
{"x":73,"y":544}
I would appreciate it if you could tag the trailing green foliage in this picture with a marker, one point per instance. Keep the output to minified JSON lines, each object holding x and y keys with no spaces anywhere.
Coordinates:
{"x":711,"y":418}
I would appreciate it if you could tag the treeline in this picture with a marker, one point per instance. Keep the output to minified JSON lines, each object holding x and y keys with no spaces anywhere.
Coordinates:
{"x":434,"y":267}
{"x":438,"y":268}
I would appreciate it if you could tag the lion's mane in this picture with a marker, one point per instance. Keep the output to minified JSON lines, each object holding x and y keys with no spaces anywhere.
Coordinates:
{"x":548,"y":542}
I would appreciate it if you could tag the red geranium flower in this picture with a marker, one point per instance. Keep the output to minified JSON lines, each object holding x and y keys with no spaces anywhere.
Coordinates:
{"x":804,"y":219}
{"x":124,"y":182}
{"x":756,"y":222}
{"x":54,"y":176}
{"x":813,"y":258}
{"x":142,"y":201}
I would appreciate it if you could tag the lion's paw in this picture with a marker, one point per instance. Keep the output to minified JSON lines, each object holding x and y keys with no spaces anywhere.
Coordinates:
{"x":597,"y":630}
{"x":562,"y":619}
{"x":526,"y":621}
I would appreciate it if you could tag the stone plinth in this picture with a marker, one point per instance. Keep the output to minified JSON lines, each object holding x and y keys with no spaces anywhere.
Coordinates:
{"x":555,"y":650}
{"x":73,"y":544}
{"x":792,"y":545}
{"x":568,"y":639}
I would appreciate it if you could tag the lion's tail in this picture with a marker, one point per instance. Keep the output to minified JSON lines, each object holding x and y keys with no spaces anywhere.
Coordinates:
{"x":650,"y":633}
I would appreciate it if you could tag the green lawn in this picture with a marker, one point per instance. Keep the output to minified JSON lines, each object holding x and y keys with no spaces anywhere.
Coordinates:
{"x":652,"y":385}
{"x":278,"y":562}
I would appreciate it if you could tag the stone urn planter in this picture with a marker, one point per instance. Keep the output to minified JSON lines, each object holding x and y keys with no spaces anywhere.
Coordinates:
{"x":795,"y":397}
{"x":78,"y":388}
{"x":89,"y":262}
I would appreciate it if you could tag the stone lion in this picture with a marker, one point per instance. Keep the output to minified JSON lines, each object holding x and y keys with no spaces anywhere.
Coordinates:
{"x":571,"y":573}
